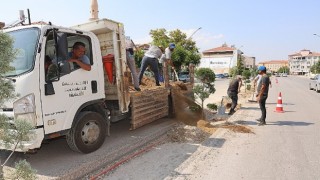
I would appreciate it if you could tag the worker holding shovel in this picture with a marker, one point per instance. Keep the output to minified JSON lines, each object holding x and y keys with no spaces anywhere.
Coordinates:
{"x":166,"y":58}
{"x":233,"y":90}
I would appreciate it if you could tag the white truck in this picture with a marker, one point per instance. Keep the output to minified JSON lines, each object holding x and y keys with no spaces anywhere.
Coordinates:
{"x":76,"y":103}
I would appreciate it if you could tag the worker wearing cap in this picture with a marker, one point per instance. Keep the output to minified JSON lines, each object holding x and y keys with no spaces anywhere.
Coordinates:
{"x":166,"y":57}
{"x":263,"y":89}
{"x":233,"y":90}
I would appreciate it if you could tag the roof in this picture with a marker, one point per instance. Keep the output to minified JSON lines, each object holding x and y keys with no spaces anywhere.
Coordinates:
{"x":305,"y":53}
{"x":223,"y":48}
{"x":274,"y":62}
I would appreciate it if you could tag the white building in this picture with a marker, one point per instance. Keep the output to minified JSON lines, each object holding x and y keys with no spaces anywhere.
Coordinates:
{"x":220,"y":59}
{"x":301,"y":62}
{"x":249,"y":62}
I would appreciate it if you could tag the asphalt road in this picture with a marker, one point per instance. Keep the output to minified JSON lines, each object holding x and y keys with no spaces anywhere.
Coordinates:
{"x":55,"y":160}
{"x":288,"y":147}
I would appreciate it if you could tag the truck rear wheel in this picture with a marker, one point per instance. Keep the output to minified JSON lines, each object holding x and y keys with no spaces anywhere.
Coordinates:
{"x":87,"y":133}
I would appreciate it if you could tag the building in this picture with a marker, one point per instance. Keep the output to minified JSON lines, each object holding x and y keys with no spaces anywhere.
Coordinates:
{"x":274,"y":65}
{"x":301,"y":62}
{"x":249,"y":62}
{"x":220,"y":59}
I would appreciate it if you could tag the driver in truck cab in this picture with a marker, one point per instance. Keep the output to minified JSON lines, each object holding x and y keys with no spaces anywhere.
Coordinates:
{"x":78,"y":57}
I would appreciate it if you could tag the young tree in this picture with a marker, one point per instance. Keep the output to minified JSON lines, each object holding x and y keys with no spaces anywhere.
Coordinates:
{"x":284,"y":69}
{"x":185,"y":52}
{"x":315,"y":69}
{"x":203,"y":90}
{"x":12,"y":139}
{"x":240,"y":64}
{"x":7,"y":55}
{"x":246,"y":74}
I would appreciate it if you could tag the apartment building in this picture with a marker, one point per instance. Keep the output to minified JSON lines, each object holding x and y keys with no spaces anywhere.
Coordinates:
{"x":274,"y":65}
{"x":301,"y":62}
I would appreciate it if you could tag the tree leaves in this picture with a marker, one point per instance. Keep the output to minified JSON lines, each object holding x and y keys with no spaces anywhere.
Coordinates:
{"x":185,"y":52}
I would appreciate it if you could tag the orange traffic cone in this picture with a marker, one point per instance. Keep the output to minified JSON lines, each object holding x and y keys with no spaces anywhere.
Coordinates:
{"x":279,"y":107}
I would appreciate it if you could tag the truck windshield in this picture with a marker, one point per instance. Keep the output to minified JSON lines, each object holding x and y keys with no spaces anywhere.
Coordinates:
{"x":25,"y":42}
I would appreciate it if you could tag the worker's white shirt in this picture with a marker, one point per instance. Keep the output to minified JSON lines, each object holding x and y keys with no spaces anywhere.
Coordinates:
{"x":168,"y":53}
{"x":153,"y":52}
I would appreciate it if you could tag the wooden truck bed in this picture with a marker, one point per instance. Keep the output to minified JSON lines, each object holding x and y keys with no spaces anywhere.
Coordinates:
{"x":148,"y":105}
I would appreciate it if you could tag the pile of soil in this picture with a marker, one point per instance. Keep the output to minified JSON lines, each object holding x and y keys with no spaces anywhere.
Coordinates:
{"x":188,"y":112}
{"x":237,"y":128}
{"x":182,"y":133}
{"x":189,"y":116}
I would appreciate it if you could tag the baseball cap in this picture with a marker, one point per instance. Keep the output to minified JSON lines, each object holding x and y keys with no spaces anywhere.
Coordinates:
{"x":172,"y":46}
{"x":262,"y":68}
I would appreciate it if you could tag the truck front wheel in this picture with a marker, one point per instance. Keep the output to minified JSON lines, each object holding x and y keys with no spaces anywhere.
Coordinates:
{"x":87,"y":133}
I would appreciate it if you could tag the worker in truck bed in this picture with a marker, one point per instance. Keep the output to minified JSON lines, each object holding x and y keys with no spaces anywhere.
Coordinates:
{"x":151,"y":59}
{"x":131,"y":63}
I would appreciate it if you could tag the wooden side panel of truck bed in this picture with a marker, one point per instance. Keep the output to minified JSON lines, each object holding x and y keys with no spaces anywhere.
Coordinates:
{"x":148,"y":106}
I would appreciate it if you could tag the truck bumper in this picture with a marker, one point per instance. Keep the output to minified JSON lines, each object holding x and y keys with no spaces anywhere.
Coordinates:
{"x":36,"y":138}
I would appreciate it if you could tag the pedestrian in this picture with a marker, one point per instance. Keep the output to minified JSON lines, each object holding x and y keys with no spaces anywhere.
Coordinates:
{"x":233,"y":90}
{"x":151,"y":59}
{"x":131,"y":63}
{"x":263,"y":89}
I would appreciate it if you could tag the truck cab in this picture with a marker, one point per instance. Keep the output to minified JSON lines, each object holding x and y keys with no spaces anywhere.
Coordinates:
{"x":71,"y":101}
{"x":59,"y":98}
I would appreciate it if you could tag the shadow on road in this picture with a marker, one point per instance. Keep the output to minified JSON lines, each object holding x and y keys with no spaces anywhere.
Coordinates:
{"x":277,"y":123}
{"x":286,"y":104}
{"x":250,"y":108}
{"x":289,"y":123}
{"x":214,"y":142}
{"x":242,"y":122}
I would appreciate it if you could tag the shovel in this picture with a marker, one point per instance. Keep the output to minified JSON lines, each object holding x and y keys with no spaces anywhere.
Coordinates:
{"x":222,"y":109}
{"x":175,"y":72}
{"x":252,"y":100}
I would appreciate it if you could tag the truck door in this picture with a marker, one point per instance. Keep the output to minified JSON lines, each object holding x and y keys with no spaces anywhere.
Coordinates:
{"x":65,"y":86}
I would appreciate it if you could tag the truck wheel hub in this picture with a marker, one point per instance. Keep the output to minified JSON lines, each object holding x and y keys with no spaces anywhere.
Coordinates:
{"x":90,"y":133}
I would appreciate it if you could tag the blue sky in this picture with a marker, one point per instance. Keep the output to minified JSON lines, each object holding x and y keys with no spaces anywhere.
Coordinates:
{"x":267,"y":30}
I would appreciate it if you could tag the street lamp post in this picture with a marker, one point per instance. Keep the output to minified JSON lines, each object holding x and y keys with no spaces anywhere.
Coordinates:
{"x":316,"y":35}
{"x":194,"y":32}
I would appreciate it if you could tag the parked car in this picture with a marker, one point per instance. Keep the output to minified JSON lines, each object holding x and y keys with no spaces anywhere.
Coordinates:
{"x":184,"y":78}
{"x":277,"y":75}
{"x":315,"y":83}
{"x":226,"y":75}
{"x":220,"y":76}
{"x":284,"y":75}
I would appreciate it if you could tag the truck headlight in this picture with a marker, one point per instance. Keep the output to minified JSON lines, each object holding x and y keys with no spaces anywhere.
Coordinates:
{"x":25,"y":109}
